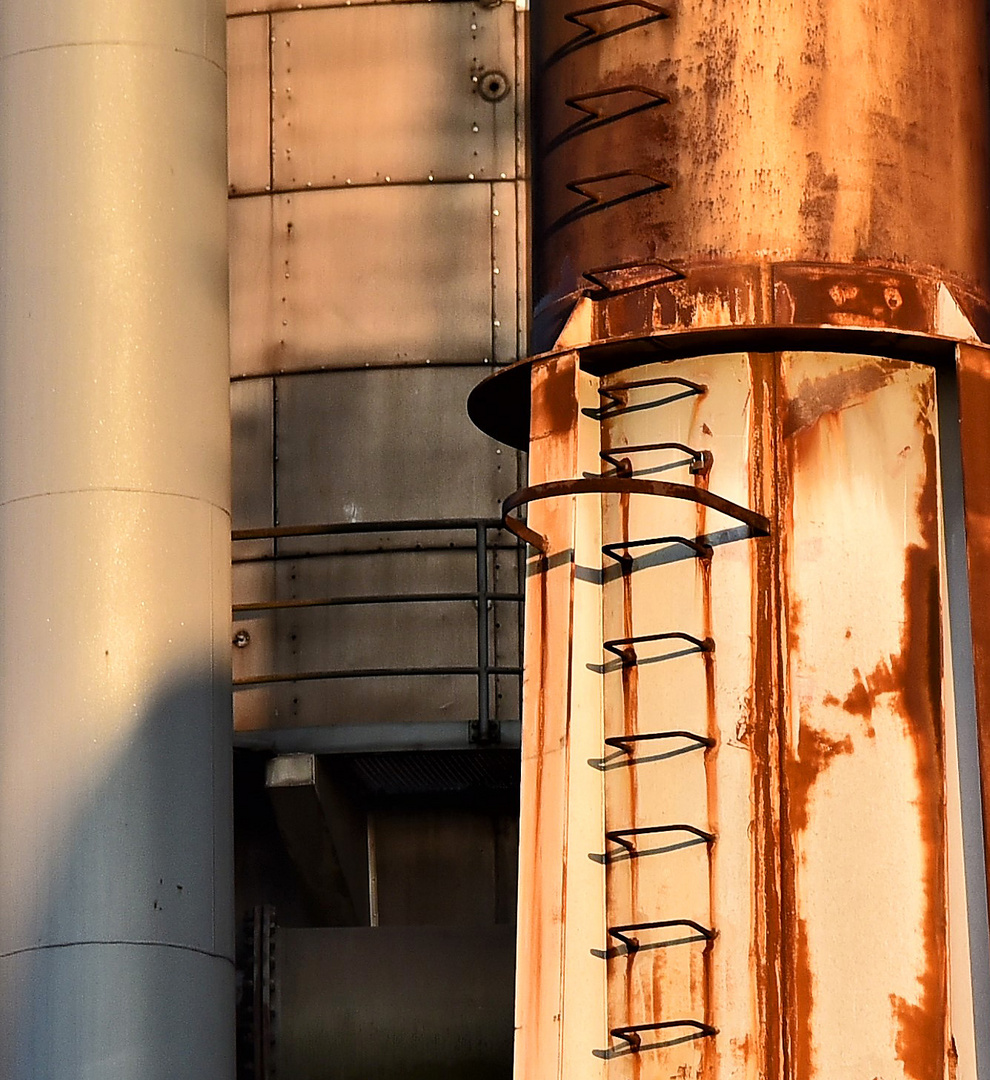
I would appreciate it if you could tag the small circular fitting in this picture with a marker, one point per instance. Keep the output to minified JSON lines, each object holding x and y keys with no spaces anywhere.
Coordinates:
{"x":242,"y":639}
{"x":493,"y":85}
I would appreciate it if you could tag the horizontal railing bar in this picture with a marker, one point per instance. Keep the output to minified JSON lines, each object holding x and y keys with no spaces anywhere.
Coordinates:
{"x":368,"y":673}
{"x":390,"y":598}
{"x":350,"y":528}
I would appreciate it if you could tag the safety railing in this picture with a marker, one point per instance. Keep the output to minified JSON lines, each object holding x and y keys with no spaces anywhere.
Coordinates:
{"x":485,"y":728}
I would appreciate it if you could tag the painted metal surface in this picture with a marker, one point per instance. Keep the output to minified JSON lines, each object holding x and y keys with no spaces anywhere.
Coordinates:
{"x":309,"y":290}
{"x":703,"y":143}
{"x":249,"y":105}
{"x":116,"y":935}
{"x":776,"y":883}
{"x":405,"y":82}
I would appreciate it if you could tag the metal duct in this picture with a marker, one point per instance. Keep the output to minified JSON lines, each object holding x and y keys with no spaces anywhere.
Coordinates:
{"x":115,"y":898}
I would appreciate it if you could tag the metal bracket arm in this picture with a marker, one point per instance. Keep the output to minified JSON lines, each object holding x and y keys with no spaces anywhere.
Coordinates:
{"x":620,"y":485}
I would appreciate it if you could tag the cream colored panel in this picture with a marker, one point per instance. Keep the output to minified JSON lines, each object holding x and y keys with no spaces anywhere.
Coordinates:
{"x":114,"y":284}
{"x":865,"y":724}
{"x":369,"y":276}
{"x":249,"y":132}
{"x":391,"y":93}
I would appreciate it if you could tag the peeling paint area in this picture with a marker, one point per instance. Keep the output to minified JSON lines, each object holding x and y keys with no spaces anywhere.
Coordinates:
{"x":864,"y":775}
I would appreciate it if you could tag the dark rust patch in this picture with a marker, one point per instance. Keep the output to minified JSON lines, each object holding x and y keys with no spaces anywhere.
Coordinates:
{"x":808,"y":294}
{"x":821,"y":191}
{"x":833,"y":393}
{"x":554,"y":412}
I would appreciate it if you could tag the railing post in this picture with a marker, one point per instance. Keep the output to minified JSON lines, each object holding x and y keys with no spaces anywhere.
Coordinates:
{"x":483,"y":731}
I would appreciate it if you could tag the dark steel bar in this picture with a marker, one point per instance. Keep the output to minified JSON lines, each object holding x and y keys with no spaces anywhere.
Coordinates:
{"x":655,"y":11}
{"x":703,"y":551}
{"x":657,"y":273}
{"x":620,"y":485}
{"x":484,"y":705}
{"x":619,"y":836}
{"x":620,"y":933}
{"x":623,"y":647}
{"x":368,"y":673}
{"x":701,"y":460}
{"x":348,"y":528}
{"x":631,"y":1033}
{"x":392,"y":598}
{"x":623,"y":742}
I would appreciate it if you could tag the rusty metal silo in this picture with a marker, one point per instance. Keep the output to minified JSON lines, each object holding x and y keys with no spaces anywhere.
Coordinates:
{"x":754,"y":693}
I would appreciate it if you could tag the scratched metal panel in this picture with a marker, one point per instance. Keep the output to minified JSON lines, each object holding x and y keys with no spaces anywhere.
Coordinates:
{"x":385,"y":445}
{"x":361,"y":277}
{"x":672,"y":781}
{"x":374,"y":94}
{"x":248,"y":104}
{"x":865,"y":724}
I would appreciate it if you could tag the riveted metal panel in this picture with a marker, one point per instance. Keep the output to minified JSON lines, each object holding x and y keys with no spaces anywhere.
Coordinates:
{"x":249,"y":104}
{"x":392,"y":93}
{"x":383,"y":445}
{"x":251,"y":420}
{"x":254,"y":293}
{"x":506,"y":275}
{"x":313,"y":284}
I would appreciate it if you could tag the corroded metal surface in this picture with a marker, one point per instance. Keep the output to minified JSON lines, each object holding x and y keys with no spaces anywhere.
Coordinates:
{"x":708,"y":140}
{"x":775,"y":883}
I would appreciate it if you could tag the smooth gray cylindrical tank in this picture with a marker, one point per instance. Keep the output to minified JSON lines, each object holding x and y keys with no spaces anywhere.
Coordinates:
{"x":115,"y":823}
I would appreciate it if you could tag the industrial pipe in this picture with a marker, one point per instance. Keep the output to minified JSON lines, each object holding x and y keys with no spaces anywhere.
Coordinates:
{"x":116,"y":942}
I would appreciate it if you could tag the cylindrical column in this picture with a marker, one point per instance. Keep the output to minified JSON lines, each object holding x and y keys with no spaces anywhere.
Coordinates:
{"x":115,"y":896}
{"x":749,"y":164}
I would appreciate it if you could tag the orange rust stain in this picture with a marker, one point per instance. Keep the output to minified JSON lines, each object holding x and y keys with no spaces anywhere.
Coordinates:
{"x":764,"y":723}
{"x":801,"y":1009}
{"x":833,"y":393}
{"x":554,"y":405}
{"x":815,"y":753}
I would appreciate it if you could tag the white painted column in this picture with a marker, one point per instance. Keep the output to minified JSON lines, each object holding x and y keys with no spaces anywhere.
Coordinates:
{"x":115,"y":823}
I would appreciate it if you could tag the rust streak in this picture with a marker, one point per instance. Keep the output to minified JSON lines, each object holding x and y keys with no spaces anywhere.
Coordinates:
{"x":763,"y":723}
